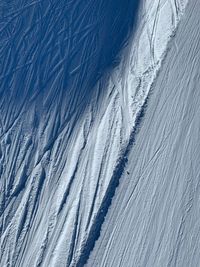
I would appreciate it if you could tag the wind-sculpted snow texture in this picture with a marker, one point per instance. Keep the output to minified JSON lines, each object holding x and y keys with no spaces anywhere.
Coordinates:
{"x":154,"y":219}
{"x":70,"y":101}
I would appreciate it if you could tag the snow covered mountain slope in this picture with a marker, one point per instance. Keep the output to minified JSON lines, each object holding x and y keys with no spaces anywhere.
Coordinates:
{"x":154,"y":219}
{"x":66,"y":123}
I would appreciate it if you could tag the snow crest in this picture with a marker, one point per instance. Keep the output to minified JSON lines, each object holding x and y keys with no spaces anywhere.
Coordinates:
{"x":56,"y":183}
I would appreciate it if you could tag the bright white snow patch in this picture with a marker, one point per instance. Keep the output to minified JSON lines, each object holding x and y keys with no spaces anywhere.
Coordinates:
{"x":72,"y":177}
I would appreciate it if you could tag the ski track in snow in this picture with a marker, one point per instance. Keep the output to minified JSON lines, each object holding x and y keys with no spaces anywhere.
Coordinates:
{"x":154,"y":219}
{"x":60,"y":161}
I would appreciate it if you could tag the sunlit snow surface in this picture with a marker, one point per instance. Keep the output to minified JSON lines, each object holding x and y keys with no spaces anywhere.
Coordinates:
{"x":154,"y":219}
{"x":66,"y":123}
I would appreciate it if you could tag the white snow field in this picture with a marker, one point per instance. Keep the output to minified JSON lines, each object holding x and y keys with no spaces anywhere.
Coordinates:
{"x":59,"y":172}
{"x":154,"y":219}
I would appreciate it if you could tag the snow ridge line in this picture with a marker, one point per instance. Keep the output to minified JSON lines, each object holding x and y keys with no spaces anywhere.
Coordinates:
{"x":119,"y":170}
{"x":94,"y":233}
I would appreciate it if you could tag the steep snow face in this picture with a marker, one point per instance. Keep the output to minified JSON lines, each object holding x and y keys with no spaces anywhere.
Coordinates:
{"x":154,"y":219}
{"x":64,"y":130}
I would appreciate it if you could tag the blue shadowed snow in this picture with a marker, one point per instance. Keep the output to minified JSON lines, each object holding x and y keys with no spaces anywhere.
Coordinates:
{"x":59,"y":48}
{"x":52,"y":53}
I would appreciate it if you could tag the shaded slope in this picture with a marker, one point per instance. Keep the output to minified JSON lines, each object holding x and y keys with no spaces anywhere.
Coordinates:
{"x":52,"y":55}
{"x":62,"y":137}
